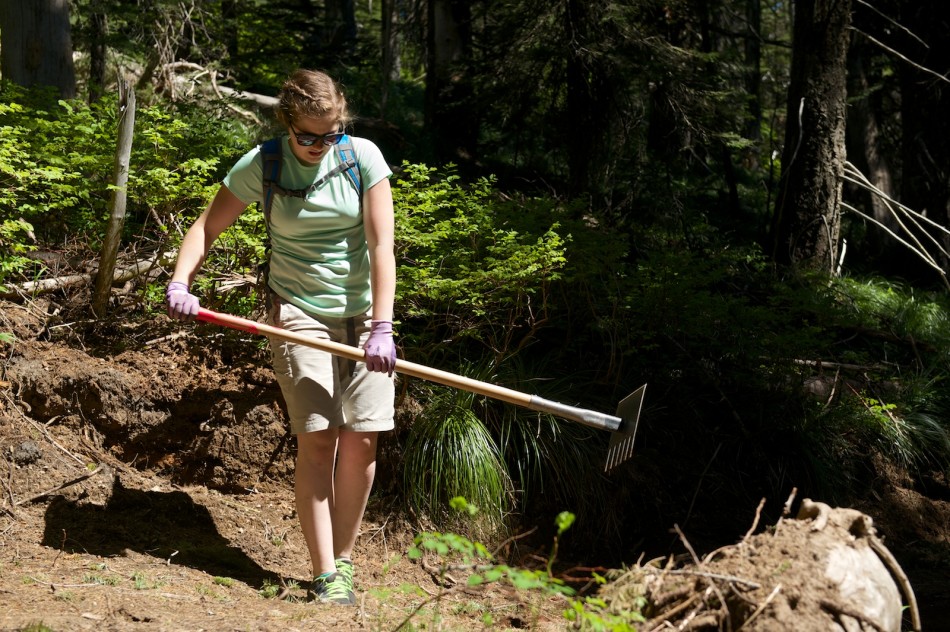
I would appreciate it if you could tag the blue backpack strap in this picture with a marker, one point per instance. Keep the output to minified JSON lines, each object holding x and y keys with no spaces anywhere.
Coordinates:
{"x":347,"y":155}
{"x":271,"y":157}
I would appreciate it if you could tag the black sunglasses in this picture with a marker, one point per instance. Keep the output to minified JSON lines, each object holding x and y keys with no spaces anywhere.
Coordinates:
{"x":305,"y":140}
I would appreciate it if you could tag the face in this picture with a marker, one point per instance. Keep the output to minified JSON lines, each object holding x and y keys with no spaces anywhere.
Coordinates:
{"x":316,"y":131}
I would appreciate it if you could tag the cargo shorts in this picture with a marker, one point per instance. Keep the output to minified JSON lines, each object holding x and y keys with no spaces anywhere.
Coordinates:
{"x":322,"y":390}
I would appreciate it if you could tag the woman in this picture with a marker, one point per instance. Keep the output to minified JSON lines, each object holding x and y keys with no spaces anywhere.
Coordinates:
{"x":331,"y":274}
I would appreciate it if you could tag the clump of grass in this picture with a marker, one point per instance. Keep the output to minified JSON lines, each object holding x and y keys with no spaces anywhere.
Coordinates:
{"x":449,"y":452}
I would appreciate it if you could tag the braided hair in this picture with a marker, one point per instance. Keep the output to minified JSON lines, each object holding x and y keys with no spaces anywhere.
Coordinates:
{"x":311,"y":93}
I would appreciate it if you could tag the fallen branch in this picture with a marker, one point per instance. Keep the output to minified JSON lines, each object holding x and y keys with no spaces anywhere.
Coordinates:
{"x":840,"y":609}
{"x":262,"y":101}
{"x":821,"y":364}
{"x":60,"y":487}
{"x":711,"y":585}
{"x":120,"y":275}
{"x":761,"y":608}
{"x":755,"y":523}
{"x":657,"y":622}
{"x":707,"y":575}
{"x":888,"y":559}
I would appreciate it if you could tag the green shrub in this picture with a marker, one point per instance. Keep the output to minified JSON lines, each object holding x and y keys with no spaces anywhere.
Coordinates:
{"x":57,"y":160}
{"x":471,"y":264}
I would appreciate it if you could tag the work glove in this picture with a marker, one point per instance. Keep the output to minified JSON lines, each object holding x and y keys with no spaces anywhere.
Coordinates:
{"x":379,"y":350}
{"x":182,"y":305}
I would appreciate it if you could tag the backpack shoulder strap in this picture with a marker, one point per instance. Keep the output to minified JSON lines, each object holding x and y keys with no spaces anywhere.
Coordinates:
{"x":347,"y":155}
{"x":272,"y":160}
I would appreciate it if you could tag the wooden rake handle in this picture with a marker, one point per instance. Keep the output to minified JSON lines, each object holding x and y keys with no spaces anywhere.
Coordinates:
{"x":587,"y":417}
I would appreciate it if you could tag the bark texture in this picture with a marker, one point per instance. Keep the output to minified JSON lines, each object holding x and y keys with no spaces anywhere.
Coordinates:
{"x":36,"y":46}
{"x":807,"y":220}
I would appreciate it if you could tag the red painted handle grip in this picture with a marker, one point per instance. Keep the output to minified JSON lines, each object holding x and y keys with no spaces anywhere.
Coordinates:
{"x":228,"y":321}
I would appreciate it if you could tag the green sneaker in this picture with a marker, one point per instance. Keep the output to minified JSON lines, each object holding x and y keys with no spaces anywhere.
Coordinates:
{"x":332,"y":588}
{"x":344,"y":567}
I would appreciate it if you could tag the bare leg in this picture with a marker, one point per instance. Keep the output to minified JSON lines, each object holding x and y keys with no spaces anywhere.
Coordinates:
{"x":355,"y":470}
{"x":313,"y":488}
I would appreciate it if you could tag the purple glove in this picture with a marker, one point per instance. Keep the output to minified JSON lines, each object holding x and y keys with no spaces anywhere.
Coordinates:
{"x":379,"y":352}
{"x":182,"y":305}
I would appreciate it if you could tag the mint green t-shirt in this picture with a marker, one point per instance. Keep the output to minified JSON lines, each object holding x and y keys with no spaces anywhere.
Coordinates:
{"x":319,"y":257}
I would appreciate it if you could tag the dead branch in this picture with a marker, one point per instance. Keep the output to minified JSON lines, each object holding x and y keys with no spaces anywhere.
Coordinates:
{"x":822,"y":364}
{"x":658,"y":622}
{"x":8,"y":485}
{"x":120,"y":275}
{"x":260,"y":100}
{"x":901,"y":56}
{"x":762,"y":607}
{"x":840,"y":609}
{"x":725,"y":578}
{"x":712,"y":585}
{"x":755,"y":523}
{"x":59,"y":487}
{"x":853,"y":174}
{"x":900,"y":576}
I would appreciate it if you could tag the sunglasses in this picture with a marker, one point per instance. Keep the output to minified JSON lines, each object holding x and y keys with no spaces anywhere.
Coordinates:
{"x":306,"y":140}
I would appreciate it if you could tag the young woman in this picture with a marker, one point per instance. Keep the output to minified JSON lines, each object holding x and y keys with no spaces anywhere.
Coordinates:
{"x":331,"y":274}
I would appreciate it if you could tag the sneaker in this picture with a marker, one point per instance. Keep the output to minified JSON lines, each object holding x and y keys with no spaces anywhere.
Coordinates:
{"x":332,"y":588}
{"x":344,"y":567}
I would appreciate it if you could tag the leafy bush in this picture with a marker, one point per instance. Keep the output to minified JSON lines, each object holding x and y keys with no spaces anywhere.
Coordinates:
{"x":57,"y":160}
{"x":471,"y":264}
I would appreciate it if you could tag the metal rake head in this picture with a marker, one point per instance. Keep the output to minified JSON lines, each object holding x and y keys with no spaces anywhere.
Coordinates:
{"x":621,"y":441}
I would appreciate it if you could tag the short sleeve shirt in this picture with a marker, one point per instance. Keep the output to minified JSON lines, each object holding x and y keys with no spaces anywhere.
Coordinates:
{"x":319,"y":257}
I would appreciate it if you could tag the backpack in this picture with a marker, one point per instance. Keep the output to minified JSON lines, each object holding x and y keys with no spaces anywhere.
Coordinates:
{"x":273,"y":161}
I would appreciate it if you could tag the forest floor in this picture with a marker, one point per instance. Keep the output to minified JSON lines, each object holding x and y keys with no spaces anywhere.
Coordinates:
{"x":146,"y":485}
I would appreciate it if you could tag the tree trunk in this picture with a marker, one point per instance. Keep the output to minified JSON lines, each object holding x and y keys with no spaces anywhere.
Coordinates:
{"x":753,"y":61}
{"x":340,"y":24}
{"x":390,"y":44}
{"x":864,"y":138}
{"x":229,"y":18}
{"x":97,"y":54}
{"x":807,"y":218}
{"x":448,"y":112}
{"x":36,"y":46}
{"x":110,"y":246}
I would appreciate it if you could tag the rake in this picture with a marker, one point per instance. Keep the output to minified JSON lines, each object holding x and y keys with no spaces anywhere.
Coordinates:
{"x":623,"y":425}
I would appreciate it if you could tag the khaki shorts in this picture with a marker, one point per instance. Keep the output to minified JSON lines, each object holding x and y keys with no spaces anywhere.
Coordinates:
{"x":324,"y":391}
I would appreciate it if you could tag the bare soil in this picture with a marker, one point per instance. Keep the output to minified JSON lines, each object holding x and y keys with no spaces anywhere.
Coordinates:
{"x":147,"y":485}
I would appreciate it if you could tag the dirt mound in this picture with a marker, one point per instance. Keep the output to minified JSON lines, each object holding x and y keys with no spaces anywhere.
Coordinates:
{"x":827,"y":570}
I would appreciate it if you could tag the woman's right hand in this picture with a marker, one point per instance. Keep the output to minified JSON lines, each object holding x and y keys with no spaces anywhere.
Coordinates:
{"x":182,"y":305}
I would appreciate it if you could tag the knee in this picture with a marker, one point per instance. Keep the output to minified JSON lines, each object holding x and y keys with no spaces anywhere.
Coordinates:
{"x":317,"y":447}
{"x":358,"y":446}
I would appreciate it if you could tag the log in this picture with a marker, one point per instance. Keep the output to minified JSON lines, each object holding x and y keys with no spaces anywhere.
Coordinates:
{"x":119,"y":275}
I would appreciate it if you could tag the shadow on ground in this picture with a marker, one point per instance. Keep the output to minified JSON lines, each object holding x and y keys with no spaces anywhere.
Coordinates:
{"x":165,"y":525}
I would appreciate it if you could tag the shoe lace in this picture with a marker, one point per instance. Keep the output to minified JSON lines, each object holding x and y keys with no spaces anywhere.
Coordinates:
{"x":334,"y":587}
{"x":344,"y":568}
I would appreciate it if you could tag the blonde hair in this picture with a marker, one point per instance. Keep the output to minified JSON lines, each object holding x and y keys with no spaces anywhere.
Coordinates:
{"x":311,"y":93}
